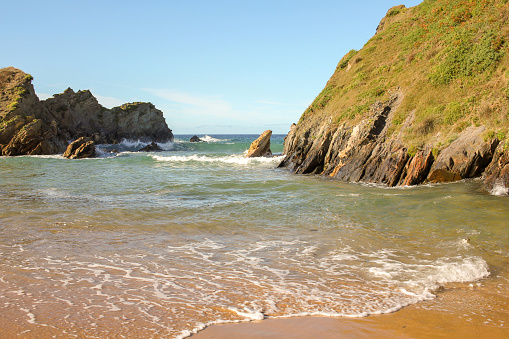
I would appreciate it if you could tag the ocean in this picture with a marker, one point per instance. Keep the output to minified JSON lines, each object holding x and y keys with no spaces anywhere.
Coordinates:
{"x":161,"y":245}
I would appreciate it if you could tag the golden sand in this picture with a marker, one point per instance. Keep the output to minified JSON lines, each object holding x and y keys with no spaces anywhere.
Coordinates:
{"x":475,"y":312}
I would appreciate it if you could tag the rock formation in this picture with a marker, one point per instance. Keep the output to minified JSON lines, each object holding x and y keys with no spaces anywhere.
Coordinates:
{"x":365,"y":152}
{"x":261,"y":146}
{"x":30,"y":126}
{"x":153,"y":147}
{"x":195,"y":138}
{"x":411,"y":108}
{"x":83,"y":147}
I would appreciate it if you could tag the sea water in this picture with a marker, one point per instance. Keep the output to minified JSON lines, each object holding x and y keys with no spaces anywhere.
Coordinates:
{"x":163,"y":244}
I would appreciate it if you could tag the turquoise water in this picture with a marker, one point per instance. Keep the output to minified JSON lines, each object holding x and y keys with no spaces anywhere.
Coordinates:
{"x":163,"y":244}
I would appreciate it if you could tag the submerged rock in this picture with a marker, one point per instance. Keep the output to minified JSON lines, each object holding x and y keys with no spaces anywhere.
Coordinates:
{"x":195,"y":139}
{"x":83,"y":147}
{"x":153,"y":147}
{"x":261,"y":146}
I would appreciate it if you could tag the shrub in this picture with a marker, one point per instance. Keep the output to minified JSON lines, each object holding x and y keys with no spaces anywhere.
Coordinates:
{"x":466,"y":57}
{"x":344,"y":62}
{"x":453,"y":112}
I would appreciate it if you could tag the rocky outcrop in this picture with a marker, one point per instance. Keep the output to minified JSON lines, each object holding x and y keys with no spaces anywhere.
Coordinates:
{"x":83,"y":147}
{"x":467,"y":157}
{"x":261,"y":146}
{"x":367,"y":152}
{"x":153,"y":147}
{"x":411,"y":107}
{"x":496,"y":176}
{"x":30,"y":126}
{"x":195,"y":138}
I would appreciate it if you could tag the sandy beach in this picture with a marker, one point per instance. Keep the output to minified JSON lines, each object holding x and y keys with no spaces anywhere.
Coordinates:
{"x":477,"y":312}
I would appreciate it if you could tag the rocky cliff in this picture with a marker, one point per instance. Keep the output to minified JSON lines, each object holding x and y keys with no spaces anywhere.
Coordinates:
{"x":34,"y":127}
{"x":425,"y":100}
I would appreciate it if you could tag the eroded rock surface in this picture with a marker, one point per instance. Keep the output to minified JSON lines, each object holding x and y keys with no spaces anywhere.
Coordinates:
{"x":366,"y":151}
{"x":261,"y":146}
{"x":83,"y":147}
{"x":30,"y":126}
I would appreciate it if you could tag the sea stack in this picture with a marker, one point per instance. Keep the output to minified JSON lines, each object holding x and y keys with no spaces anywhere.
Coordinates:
{"x":261,"y":146}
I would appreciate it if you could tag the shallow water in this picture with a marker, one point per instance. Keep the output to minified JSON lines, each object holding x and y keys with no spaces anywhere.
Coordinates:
{"x":162,"y":244}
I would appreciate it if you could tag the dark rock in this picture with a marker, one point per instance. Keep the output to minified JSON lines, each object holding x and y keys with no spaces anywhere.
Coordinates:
{"x":261,"y":146}
{"x":83,"y":147}
{"x":496,"y":176}
{"x":195,"y":139}
{"x":153,"y":147}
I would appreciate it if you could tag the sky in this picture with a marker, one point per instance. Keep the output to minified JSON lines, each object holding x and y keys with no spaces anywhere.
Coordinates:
{"x":212,"y":67}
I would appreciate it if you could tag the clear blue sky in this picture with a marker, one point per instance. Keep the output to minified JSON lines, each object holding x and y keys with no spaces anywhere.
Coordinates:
{"x":210,"y":66}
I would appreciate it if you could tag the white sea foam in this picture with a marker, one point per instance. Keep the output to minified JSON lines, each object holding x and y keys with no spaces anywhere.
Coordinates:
{"x":208,"y":138}
{"x":130,"y":145}
{"x":248,"y":313}
{"x":464,"y":270}
{"x":499,"y":189}
{"x":52,"y":156}
{"x":430,"y":275}
{"x":232,"y":159}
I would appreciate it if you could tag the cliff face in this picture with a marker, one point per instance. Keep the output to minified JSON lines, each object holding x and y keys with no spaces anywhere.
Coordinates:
{"x":34,"y":127}
{"x":425,"y":100}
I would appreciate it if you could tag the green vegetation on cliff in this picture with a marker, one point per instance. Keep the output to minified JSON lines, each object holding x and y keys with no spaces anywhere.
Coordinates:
{"x":450,"y":60}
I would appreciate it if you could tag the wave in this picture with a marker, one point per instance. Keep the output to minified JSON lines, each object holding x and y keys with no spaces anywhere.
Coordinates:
{"x":499,"y":189}
{"x":208,"y":138}
{"x":127,"y":145}
{"x":236,"y":159}
{"x":423,"y":279}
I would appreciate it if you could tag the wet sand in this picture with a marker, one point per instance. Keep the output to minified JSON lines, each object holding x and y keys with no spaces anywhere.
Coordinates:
{"x":463,"y":313}
{"x":479,"y":311}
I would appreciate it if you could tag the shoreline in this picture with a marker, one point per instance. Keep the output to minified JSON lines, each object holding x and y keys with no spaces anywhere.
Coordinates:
{"x":475,"y":311}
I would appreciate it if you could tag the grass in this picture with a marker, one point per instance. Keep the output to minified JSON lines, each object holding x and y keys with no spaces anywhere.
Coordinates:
{"x":448,"y":57}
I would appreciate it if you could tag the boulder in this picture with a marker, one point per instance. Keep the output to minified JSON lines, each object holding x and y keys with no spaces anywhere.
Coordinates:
{"x":153,"y":147}
{"x":261,"y":146}
{"x":83,"y":147}
{"x":195,"y":139}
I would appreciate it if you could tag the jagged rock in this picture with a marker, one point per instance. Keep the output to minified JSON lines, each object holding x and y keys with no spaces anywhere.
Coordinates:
{"x":345,"y":152}
{"x":466,"y":157}
{"x":30,"y":126}
{"x":153,"y":147}
{"x":261,"y":146}
{"x":416,"y":170}
{"x":83,"y":147}
{"x":195,"y":139}
{"x":365,"y":153}
{"x":497,"y":173}
{"x":137,"y":121}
